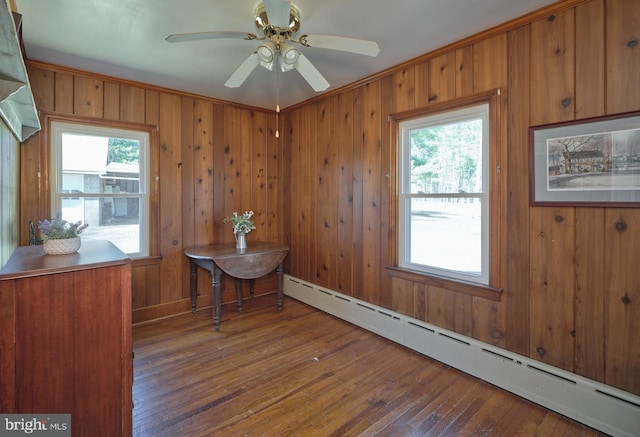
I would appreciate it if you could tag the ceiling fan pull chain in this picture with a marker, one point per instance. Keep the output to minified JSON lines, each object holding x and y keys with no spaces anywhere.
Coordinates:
{"x":277,"y":96}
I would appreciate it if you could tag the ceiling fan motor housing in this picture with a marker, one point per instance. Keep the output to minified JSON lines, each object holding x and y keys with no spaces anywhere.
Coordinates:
{"x":262,"y":21}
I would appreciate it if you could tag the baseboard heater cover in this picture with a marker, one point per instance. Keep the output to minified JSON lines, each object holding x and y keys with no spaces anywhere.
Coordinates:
{"x":597,"y":405}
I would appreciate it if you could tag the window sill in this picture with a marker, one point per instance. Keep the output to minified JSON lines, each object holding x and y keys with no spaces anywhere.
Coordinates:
{"x":476,"y":290}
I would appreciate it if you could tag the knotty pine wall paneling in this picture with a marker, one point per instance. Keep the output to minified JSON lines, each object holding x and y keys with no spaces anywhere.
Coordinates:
{"x":290,"y":187}
{"x":590,"y":294}
{"x":569,"y":291}
{"x":590,"y":272}
{"x":326,"y":213}
{"x":342,"y":137}
{"x":152,"y":118}
{"x":421,"y":86}
{"x":305,"y":207}
{"x":387,"y":239}
{"x":201,"y":162}
{"x":552,"y":230}
{"x":111,"y":101}
{"x":404,"y":89}
{"x":256,"y":173}
{"x":272,"y":180}
{"x":372,"y":173}
{"x":132,"y":105}
{"x":590,"y":59}
{"x":552,"y":286}
{"x":516,"y":296}
{"x":465,"y":71}
{"x":490,"y":73}
{"x":169,"y":178}
{"x":310,"y":139}
{"x":622,"y":294}
{"x":442,"y":77}
{"x":622,"y":55}
{"x":246,"y":178}
{"x":409,"y":90}
{"x":88,"y":97}
{"x":188,"y":189}
{"x":220,"y":152}
{"x":358,"y":177}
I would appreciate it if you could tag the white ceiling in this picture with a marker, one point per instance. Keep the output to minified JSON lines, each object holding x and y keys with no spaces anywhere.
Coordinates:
{"x":126,"y":39}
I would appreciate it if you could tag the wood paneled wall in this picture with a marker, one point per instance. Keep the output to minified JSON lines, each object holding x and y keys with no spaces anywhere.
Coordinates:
{"x":210,"y":158}
{"x":571,"y":294}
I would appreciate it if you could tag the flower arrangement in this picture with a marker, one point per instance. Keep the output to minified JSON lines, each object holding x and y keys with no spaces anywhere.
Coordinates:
{"x":242,"y":224}
{"x":57,"y":229}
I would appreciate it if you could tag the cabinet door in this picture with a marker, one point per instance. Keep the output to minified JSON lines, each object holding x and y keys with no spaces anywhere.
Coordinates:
{"x":45,"y":366}
{"x":98,"y":348}
{"x":7,"y":348}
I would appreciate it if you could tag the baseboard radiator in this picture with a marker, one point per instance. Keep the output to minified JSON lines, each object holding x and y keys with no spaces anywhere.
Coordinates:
{"x":597,"y":405}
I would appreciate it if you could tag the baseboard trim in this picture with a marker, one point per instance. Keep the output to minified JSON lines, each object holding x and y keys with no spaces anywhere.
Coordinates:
{"x":597,"y":405}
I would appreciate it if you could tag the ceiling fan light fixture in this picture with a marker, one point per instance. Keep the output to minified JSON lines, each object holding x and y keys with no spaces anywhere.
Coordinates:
{"x":267,"y":54}
{"x":288,"y":57}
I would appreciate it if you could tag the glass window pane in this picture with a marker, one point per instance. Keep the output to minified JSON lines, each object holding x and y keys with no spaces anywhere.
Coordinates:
{"x":447,"y":158}
{"x":446,"y":233}
{"x":96,"y":164}
{"x":116,"y":219}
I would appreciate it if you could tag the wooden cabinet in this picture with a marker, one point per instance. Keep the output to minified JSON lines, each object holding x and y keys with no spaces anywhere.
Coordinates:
{"x":65,"y":337}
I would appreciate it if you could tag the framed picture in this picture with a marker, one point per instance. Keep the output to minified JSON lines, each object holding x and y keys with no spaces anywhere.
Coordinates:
{"x":589,"y":162}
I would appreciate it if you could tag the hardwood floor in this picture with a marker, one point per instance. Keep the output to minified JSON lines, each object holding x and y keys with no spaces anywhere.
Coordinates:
{"x":303,"y":372}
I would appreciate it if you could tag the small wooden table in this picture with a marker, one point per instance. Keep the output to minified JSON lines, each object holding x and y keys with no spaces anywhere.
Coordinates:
{"x":256,"y":261}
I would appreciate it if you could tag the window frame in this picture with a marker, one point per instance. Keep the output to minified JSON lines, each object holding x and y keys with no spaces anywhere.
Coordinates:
{"x":406,"y":196}
{"x":148,"y":225}
{"x":496,"y":197}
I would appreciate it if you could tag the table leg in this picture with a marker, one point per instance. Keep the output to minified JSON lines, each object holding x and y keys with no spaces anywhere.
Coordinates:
{"x":216,"y":279}
{"x":193,"y":283}
{"x":280,"y":274}
{"x":252,"y":283}
{"x":239,"y":294}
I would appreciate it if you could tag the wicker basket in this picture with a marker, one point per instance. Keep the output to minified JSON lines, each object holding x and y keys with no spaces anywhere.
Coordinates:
{"x":61,"y":246}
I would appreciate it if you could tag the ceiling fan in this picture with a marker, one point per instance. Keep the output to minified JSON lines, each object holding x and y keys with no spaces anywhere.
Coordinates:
{"x":279,"y":22}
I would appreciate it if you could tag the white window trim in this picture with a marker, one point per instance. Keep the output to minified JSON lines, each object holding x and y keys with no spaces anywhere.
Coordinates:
{"x":58,"y":128}
{"x":482,"y":111}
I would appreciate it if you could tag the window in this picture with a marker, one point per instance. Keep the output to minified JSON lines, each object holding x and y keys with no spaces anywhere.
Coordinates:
{"x":99,"y":176}
{"x":445,"y":198}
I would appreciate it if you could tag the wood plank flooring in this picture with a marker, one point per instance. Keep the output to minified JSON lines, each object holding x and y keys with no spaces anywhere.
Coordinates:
{"x":303,"y":372}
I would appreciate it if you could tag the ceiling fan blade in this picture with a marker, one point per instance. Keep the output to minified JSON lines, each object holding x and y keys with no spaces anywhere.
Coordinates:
{"x":243,"y":71}
{"x":278,"y":12}
{"x":353,"y":45}
{"x":197,"y":36}
{"x":311,"y":74}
